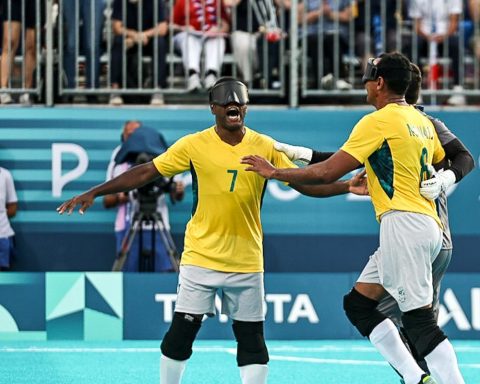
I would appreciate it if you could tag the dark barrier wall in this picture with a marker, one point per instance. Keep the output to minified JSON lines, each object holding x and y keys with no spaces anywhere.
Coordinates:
{"x":57,"y":153}
{"x":116,"y":306}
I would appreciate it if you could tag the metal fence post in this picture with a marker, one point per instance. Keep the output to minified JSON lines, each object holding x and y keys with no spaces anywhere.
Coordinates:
{"x":293,"y":102}
{"x":49,"y":55}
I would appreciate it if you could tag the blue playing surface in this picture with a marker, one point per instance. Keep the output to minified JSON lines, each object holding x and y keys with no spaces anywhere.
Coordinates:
{"x":325,"y":362}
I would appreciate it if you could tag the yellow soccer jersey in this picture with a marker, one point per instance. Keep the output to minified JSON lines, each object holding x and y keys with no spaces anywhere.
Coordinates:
{"x":395,"y":143}
{"x":224,"y":232}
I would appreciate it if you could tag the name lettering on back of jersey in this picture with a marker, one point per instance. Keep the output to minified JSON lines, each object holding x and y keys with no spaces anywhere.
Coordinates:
{"x":422,"y":131}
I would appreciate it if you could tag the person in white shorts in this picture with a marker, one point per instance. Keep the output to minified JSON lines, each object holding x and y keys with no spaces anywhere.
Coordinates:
{"x":223,"y":239}
{"x":8,"y":209}
{"x":397,"y":143}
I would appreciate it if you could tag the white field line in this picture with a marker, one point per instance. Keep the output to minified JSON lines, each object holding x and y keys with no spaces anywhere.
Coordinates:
{"x":232,"y":351}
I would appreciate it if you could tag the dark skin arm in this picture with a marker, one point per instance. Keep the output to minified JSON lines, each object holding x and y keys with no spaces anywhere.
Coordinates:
{"x":328,"y":171}
{"x":11,"y":209}
{"x":357,"y":185}
{"x":133,"y":178}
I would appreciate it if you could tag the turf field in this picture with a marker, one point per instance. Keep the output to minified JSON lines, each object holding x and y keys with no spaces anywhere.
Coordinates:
{"x":213,"y":362}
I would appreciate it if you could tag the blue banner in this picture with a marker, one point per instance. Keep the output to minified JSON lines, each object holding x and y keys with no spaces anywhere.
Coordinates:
{"x":116,"y":306}
{"x":54,"y":154}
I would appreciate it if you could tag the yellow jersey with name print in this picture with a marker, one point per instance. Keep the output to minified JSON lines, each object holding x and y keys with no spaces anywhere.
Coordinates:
{"x":224,"y":232}
{"x":396,"y":143}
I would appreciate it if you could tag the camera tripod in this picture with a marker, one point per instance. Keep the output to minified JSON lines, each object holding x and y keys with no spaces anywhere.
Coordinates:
{"x":147,"y":263}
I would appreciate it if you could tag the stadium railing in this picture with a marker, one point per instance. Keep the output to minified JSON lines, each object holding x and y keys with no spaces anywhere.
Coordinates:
{"x":294,"y":79}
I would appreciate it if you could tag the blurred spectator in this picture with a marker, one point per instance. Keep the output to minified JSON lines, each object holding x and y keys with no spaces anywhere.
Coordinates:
{"x":140,"y":31}
{"x":203,"y":25}
{"x":474,"y":8}
{"x":371,"y":16}
{"x":436,"y":25}
{"x":245,"y":29}
{"x":90,"y":15}
{"x":12,"y":18}
{"x":127,"y":205}
{"x":269,"y":43}
{"x":8,"y":209}
{"x":327,"y":20}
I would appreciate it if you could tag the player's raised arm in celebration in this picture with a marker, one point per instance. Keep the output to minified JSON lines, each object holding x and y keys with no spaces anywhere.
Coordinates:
{"x":131,"y":179}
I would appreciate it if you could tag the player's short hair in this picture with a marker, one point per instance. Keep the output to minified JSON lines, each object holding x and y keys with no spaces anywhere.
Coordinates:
{"x":395,"y":68}
{"x":413,"y":90}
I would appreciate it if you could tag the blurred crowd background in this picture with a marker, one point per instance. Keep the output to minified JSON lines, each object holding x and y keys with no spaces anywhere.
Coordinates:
{"x":287,"y":51}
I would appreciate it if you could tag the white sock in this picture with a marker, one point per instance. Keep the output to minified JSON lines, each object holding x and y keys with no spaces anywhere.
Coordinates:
{"x":442,"y":362}
{"x":171,"y":371}
{"x":386,"y":339}
{"x":254,"y":374}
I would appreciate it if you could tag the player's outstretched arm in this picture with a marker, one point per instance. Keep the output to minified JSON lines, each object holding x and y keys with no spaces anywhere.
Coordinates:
{"x":133,"y":178}
{"x":303,"y":155}
{"x":325,"y":172}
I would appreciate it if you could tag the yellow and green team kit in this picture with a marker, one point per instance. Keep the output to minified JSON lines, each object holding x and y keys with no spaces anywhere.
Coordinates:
{"x":396,"y":143}
{"x":224,"y":232}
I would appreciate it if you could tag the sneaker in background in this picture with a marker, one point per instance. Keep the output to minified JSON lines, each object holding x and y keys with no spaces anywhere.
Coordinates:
{"x":457,"y":98}
{"x":193,"y":83}
{"x":5,"y":98}
{"x":210,"y":80}
{"x":157,"y":99}
{"x":25,"y":99}
{"x":343,"y":85}
{"x":115,"y":100}
{"x":327,"y":81}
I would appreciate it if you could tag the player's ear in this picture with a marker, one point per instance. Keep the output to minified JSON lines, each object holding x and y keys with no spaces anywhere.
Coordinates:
{"x":211,"y":108}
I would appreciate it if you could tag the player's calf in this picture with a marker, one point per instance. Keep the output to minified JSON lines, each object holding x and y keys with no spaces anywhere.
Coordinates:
{"x":252,"y":353}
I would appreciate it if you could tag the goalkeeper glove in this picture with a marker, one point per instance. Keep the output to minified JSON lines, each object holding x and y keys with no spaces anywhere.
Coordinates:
{"x":295,"y":153}
{"x":440,"y":182}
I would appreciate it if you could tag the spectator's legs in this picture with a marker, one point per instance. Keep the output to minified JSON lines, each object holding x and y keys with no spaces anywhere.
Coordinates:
{"x":245,"y":53}
{"x":312,"y":53}
{"x":453,"y":53}
{"x":92,"y":27}
{"x":214,"y":53}
{"x":70,"y":35}
{"x":116,"y":67}
{"x":161,"y":60}
{"x":191,"y":48}
{"x":11,"y":40}
{"x":30,"y":57}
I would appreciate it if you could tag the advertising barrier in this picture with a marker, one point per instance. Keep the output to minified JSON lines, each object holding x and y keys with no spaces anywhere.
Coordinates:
{"x":116,"y":306}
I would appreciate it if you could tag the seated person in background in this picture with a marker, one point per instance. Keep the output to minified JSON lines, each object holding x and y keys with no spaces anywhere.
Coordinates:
{"x":436,"y":25}
{"x":90,"y":13}
{"x":8,"y":209}
{"x":127,"y":205}
{"x":202,"y":26}
{"x":474,"y":9}
{"x":243,"y":37}
{"x":327,"y":20}
{"x":138,"y":38}
{"x":12,"y":17}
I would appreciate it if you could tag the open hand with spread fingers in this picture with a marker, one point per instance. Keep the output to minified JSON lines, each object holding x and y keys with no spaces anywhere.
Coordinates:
{"x":85,"y":200}
{"x":358,"y":184}
{"x":259,"y":165}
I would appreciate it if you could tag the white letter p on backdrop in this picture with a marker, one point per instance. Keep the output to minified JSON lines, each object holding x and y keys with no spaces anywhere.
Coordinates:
{"x":59,"y":180}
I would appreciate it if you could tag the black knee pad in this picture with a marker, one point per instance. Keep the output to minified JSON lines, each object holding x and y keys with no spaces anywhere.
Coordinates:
{"x":251,"y":348}
{"x":423,"y":332}
{"x":362,"y":312}
{"x":178,"y":341}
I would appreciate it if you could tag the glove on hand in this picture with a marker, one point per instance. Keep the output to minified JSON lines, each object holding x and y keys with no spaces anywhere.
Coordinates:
{"x":439,"y":182}
{"x":294,"y":153}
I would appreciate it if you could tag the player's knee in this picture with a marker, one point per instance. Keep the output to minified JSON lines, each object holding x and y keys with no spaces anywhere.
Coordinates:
{"x":362,"y":312}
{"x":251,"y":348}
{"x":178,"y":341}
{"x":422,"y":330}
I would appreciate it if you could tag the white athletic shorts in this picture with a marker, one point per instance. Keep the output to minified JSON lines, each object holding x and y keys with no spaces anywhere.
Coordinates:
{"x":242,"y":294}
{"x":402,"y":264}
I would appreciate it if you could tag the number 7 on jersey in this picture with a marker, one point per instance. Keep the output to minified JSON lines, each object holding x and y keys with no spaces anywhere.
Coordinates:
{"x":234,"y":173}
